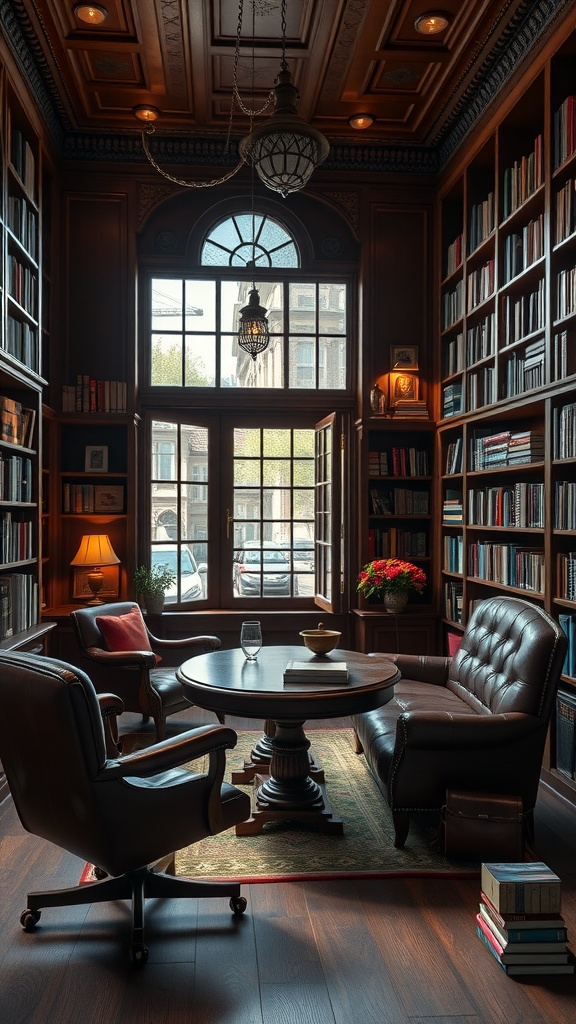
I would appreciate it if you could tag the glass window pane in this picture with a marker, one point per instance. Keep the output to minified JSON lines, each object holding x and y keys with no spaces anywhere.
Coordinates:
{"x":303,"y":443}
{"x":194,"y":453}
{"x":247,"y":472}
{"x":246,"y":442}
{"x":276,"y":503}
{"x":166,"y":360}
{"x":303,"y":504}
{"x":332,"y":308}
{"x":332,"y":369}
{"x":200,"y":306}
{"x":167,"y":297}
{"x":276,"y":442}
{"x":164,"y":512}
{"x":302,"y":372}
{"x":247,"y":504}
{"x":194,"y":511}
{"x":200,"y":361}
{"x":303,"y":472}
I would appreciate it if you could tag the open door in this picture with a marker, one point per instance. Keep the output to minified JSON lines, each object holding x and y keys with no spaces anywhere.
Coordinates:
{"x":329,"y":507}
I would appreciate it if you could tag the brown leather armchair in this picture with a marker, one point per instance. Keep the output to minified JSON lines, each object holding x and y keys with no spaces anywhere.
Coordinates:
{"x":143,"y":686}
{"x":122,"y":814}
{"x":474,"y":722}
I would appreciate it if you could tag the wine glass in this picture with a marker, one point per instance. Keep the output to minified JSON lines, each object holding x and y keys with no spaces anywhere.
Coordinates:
{"x":251,"y":639}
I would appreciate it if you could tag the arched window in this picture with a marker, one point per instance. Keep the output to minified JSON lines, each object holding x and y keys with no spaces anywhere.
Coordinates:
{"x":248,"y":239}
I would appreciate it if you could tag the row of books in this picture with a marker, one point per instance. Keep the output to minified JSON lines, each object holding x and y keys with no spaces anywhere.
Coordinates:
{"x":564,"y":431}
{"x":523,"y":178}
{"x":453,"y":600}
{"x":23,"y":285}
{"x":481,"y":339}
{"x":22,"y":342}
{"x":393,"y":542}
{"x":15,"y":478}
{"x":507,"y":448}
{"x":23,"y":160}
{"x":522,"y":249}
{"x":454,"y":255}
{"x":566,"y":292}
{"x":524,"y":369}
{"x":18,"y":603}
{"x":519,"y":919}
{"x":566,"y":733}
{"x":565,"y":505}
{"x":16,"y":539}
{"x":454,"y":457}
{"x":454,"y":355}
{"x":92,"y":395}
{"x":452,"y":400}
{"x":88,"y":498}
{"x":509,"y":564}
{"x":482,"y":219}
{"x":453,"y":548}
{"x":452,"y":305}
{"x":23,"y":223}
{"x":568,"y":623}
{"x":452,"y":509}
{"x":519,"y":505}
{"x":566,"y":575}
{"x":565,"y":221}
{"x":564,"y":130}
{"x":524,"y":314}
{"x":16,"y":422}
{"x":399,"y":462}
{"x":480,"y":285}
{"x":564,"y":354}
{"x":481,"y":388}
{"x":399,"y":501}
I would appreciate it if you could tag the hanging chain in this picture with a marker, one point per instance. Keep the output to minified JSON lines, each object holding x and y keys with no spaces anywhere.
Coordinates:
{"x":283,"y":63}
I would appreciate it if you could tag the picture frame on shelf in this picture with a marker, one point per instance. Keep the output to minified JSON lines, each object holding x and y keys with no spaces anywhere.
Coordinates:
{"x":403,"y":357}
{"x":110,"y":586}
{"x":96,"y":458}
{"x":403,"y":388}
{"x":108,"y":498}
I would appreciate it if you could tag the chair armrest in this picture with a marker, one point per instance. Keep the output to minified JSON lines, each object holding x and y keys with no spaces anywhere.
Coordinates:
{"x":434,"y":730}
{"x":422,"y":668}
{"x":98,"y":654}
{"x":171,"y":753}
{"x":111,"y":707}
{"x":210,"y":643}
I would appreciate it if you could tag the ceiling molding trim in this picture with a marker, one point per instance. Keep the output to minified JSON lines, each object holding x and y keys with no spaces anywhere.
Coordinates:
{"x":21,"y":38}
{"x":529,"y":26}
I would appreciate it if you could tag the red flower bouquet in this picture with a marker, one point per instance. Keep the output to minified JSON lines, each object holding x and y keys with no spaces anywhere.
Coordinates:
{"x":390,"y":576}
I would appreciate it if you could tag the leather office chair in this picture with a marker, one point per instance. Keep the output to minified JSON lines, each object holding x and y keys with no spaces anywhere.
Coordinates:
{"x":122,"y":814}
{"x":474,"y":722}
{"x":133,"y":675}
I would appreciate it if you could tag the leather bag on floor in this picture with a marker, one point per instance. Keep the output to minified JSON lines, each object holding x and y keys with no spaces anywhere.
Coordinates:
{"x":482,"y":827}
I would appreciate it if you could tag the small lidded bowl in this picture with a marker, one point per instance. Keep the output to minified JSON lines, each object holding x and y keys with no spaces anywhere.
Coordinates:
{"x":321,"y":641}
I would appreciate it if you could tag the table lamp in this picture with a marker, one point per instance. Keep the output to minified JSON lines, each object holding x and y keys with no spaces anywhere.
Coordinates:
{"x":95,"y":551}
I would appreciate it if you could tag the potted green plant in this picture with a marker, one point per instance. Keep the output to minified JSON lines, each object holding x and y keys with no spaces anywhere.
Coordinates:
{"x":151,"y":584}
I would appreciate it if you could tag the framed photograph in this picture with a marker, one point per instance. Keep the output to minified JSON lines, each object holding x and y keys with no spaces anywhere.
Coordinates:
{"x":110,"y":586}
{"x":403,"y":387}
{"x":96,"y":458}
{"x":403,"y":357}
{"x":108,"y":499}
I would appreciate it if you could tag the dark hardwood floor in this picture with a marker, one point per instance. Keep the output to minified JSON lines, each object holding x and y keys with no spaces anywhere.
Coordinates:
{"x":345,"y":952}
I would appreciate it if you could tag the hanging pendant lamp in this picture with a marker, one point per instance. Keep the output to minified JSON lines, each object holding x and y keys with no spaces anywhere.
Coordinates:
{"x":253,"y":332}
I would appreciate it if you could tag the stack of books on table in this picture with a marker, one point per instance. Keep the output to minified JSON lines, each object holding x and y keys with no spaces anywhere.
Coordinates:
{"x":316,"y":672}
{"x":519,"y":919}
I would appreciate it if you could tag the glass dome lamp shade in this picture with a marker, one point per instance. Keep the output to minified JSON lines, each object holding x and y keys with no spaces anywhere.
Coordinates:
{"x":284,"y":151}
{"x":253,"y":332}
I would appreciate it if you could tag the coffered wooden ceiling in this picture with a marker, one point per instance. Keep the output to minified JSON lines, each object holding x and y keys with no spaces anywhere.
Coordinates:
{"x":345,"y":57}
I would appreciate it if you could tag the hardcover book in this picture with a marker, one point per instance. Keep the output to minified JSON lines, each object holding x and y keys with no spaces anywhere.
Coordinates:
{"x":525,"y":887}
{"x":316,"y":672}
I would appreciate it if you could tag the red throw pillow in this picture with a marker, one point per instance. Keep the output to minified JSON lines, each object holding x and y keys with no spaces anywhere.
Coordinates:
{"x":125,"y":632}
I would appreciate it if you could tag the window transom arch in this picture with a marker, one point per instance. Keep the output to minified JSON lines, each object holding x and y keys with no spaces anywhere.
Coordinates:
{"x":254,"y":240}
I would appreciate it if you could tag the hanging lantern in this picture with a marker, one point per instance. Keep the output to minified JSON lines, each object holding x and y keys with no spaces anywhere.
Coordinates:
{"x":253,"y":332}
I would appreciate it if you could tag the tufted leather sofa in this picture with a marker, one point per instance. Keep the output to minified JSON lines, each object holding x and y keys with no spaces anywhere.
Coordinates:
{"x":475,"y":722}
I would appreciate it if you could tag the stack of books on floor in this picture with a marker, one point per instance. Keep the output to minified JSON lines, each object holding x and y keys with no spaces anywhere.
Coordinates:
{"x":519,"y":919}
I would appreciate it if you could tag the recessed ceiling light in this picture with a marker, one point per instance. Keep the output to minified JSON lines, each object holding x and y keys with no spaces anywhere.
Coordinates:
{"x":431,"y":23}
{"x":360,"y":121}
{"x":146,"y":113}
{"x":91,"y":14}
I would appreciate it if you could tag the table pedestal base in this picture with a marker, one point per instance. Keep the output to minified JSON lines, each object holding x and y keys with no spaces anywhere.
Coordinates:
{"x":289,"y":792}
{"x":320,"y":816}
{"x":261,"y":756}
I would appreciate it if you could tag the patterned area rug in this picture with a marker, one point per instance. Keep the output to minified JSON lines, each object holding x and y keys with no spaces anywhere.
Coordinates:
{"x":285,"y":851}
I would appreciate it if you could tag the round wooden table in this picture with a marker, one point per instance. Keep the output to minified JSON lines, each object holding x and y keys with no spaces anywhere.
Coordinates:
{"x":224,"y":681}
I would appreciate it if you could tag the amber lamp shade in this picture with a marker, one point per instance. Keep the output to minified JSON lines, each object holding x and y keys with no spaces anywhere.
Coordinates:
{"x":95,"y":551}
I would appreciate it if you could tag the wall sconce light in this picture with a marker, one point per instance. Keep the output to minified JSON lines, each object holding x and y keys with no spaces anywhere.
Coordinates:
{"x":95,"y":551}
{"x":361,"y":121}
{"x":146,"y":113}
{"x":91,"y":14}
{"x":432,"y":23}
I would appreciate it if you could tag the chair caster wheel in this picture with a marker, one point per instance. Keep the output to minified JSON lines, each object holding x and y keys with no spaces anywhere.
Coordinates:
{"x":139,"y":955}
{"x":238,"y":905}
{"x":29,"y":919}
